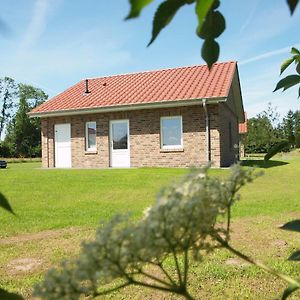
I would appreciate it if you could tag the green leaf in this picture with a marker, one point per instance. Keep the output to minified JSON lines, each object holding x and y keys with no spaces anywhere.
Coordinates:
{"x":5,"y":204}
{"x":287,"y":82}
{"x":295,"y":51}
{"x":216,"y":4}
{"x":136,"y":6}
{"x":276,"y":149}
{"x":285,"y":64}
{"x":164,"y":15}
{"x":9,"y":296}
{"x":292,"y":5}
{"x":213,"y":26}
{"x":292,"y":226}
{"x":288,"y":291}
{"x":202,"y":9}
{"x":298,"y":68}
{"x":210,"y":52}
{"x":295,"y":256}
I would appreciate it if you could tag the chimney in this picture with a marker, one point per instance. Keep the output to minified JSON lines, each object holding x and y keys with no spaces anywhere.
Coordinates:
{"x":87,"y":86}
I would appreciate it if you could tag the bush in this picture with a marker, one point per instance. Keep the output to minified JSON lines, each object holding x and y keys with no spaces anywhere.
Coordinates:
{"x":4,"y":150}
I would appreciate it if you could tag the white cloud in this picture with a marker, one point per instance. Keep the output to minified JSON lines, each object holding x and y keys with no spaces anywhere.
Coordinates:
{"x":37,"y":24}
{"x":250,"y":16}
{"x":267,"y":55}
{"x":267,"y":23}
{"x":56,"y":66}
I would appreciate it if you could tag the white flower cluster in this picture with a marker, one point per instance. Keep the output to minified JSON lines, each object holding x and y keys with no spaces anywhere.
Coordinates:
{"x":184,"y":218}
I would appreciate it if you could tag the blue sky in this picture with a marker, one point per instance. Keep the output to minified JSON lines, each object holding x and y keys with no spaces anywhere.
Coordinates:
{"x":55,"y":43}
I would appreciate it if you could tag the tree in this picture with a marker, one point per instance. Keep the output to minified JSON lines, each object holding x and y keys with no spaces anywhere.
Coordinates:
{"x":8,"y":94}
{"x":23,"y":133}
{"x":297,"y":128}
{"x":260,"y":136}
{"x":264,"y":131}
{"x":288,"y":127}
{"x":291,"y":128}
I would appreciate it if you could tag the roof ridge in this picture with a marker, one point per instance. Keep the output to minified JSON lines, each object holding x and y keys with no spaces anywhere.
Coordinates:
{"x":156,"y":70}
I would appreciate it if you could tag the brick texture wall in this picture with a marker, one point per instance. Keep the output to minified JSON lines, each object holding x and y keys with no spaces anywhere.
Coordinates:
{"x":229,"y":141}
{"x":144,"y":129}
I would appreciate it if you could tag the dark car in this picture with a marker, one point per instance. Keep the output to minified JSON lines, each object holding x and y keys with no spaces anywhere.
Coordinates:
{"x":3,"y":164}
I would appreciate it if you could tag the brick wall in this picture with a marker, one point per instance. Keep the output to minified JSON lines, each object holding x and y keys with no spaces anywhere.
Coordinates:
{"x":144,"y":129}
{"x":229,"y":142}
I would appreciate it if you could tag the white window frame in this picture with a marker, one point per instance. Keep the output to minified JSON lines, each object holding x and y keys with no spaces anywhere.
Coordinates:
{"x":87,"y":136}
{"x":162,"y":146}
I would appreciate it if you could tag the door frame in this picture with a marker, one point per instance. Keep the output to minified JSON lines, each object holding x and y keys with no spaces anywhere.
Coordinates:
{"x":55,"y":145}
{"x":111,"y":141}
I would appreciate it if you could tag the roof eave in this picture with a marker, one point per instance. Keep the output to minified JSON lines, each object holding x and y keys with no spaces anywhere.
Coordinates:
{"x":162,"y":104}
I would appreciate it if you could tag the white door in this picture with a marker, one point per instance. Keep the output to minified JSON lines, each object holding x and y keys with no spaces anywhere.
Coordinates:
{"x":63,"y":145}
{"x":119,"y":144}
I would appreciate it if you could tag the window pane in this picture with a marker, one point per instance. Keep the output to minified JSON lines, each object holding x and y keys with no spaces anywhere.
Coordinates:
{"x":91,"y":135}
{"x":171,"y":132}
{"x":119,"y":135}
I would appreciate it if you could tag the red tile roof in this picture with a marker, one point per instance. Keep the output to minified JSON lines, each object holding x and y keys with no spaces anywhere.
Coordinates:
{"x":184,"y":83}
{"x":243,"y":127}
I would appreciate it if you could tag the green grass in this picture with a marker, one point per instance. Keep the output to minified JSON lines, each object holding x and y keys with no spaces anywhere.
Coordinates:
{"x":70,"y":203}
{"x":47,"y":199}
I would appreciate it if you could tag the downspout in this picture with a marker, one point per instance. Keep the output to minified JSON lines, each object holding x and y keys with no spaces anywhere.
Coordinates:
{"x":207,"y":127}
{"x":48,"y":152}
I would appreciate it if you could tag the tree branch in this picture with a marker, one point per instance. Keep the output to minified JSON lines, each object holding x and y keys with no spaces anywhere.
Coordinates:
{"x":167,"y":274}
{"x":155,"y":278}
{"x":178,"y":291}
{"x":186,"y":267}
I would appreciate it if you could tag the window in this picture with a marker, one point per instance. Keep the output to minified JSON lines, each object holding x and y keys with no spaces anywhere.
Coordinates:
{"x":119,"y":130}
{"x":171,"y":132}
{"x":90,"y":136}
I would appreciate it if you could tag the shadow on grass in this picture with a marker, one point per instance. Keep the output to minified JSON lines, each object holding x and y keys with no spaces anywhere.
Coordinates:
{"x":262,"y":164}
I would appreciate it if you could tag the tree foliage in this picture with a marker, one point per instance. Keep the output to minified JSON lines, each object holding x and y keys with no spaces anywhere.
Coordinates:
{"x":264,"y":131}
{"x":291,"y":128}
{"x":290,"y":80}
{"x":295,"y":256}
{"x":8,"y":100}
{"x":260,"y":136}
{"x":278,"y":147}
{"x":23,"y":134}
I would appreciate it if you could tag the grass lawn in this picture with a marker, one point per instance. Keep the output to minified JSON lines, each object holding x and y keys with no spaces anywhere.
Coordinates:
{"x":56,"y":209}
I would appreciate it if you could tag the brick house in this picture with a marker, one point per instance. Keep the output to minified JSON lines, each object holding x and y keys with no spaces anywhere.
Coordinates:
{"x":177,"y":117}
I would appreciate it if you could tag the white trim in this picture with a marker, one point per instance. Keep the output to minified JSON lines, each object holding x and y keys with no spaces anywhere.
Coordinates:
{"x":161,"y":133}
{"x":111,"y":142}
{"x":56,"y":126}
{"x":162,"y":104}
{"x":88,"y":149}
